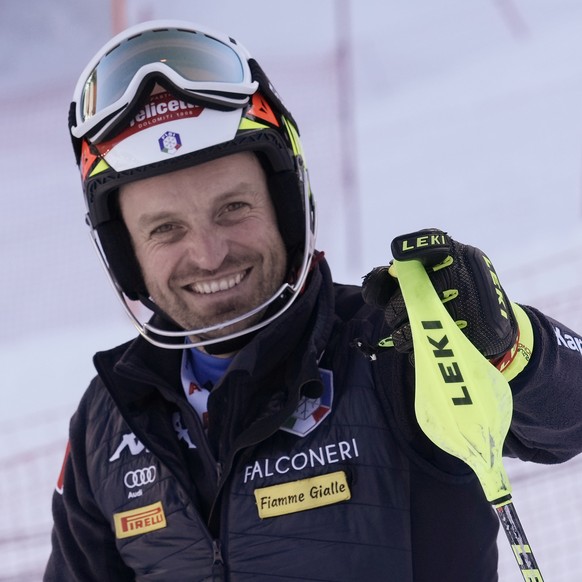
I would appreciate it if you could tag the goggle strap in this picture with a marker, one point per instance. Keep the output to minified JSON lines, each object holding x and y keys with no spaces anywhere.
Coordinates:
{"x":75,"y":140}
{"x":266,"y":87}
{"x":212,"y":99}
{"x":141,"y":95}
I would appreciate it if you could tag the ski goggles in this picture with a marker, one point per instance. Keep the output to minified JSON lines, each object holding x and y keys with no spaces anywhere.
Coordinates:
{"x":199,"y":65}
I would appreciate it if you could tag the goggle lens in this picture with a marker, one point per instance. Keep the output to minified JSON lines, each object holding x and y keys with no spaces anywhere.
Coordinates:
{"x":194,"y":56}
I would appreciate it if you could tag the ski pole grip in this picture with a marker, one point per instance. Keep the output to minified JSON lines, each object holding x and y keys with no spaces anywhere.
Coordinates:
{"x":430,"y":246}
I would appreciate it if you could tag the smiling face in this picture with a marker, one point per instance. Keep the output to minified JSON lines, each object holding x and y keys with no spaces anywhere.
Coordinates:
{"x":207,"y":241}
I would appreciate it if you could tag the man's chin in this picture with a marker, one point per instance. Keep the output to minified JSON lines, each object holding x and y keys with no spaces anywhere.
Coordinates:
{"x":223,"y":332}
{"x":221,"y":314}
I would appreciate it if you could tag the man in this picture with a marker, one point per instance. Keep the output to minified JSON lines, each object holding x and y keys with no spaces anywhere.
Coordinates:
{"x":262,"y":426}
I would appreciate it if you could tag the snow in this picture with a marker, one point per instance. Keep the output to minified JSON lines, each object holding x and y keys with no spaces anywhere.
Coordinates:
{"x":467,"y":117}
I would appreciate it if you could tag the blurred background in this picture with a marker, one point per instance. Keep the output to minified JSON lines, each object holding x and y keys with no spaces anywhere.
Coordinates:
{"x":463,"y":116}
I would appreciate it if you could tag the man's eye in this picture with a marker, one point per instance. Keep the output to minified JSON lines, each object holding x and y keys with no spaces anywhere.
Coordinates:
{"x":234,"y":206}
{"x":162,"y":229}
{"x":234,"y":211}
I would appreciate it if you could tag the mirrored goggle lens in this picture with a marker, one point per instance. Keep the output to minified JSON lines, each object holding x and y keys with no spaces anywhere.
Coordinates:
{"x":192,"y":55}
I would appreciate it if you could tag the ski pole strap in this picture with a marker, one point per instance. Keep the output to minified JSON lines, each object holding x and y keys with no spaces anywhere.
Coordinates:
{"x":516,"y":359}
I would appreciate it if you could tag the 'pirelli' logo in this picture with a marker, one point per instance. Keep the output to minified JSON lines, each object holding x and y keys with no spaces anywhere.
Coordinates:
{"x":139,"y":521}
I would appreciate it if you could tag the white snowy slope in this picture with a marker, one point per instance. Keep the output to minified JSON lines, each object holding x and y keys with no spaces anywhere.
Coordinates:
{"x":467,"y":117}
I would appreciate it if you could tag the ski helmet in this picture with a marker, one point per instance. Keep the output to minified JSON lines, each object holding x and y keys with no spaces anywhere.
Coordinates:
{"x":166,"y":95}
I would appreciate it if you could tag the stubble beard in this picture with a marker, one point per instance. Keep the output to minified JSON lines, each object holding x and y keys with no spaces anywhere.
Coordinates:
{"x":180,"y":304}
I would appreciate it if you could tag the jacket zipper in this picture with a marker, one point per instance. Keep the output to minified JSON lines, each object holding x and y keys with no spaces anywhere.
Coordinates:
{"x":217,"y":558}
{"x":217,"y":563}
{"x":229,"y":463}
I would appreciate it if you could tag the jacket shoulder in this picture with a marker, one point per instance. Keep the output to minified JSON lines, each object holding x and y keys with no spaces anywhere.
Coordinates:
{"x":349,"y":303}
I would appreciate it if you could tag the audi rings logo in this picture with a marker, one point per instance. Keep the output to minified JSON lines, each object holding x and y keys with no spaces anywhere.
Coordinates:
{"x":140,"y":477}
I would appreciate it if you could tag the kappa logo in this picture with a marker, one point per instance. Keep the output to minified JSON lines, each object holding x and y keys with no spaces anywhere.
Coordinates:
{"x":135,"y":447}
{"x":131,"y":442}
{"x":181,"y":432}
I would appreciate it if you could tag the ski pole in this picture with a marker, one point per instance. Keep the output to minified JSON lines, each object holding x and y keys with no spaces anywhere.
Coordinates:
{"x":462,"y":402}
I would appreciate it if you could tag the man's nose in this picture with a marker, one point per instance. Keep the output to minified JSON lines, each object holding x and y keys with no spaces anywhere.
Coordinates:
{"x":207,"y":247}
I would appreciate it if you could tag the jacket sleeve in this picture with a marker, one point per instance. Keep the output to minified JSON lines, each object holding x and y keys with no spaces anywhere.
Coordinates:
{"x":547,"y":396}
{"x":83,"y":544}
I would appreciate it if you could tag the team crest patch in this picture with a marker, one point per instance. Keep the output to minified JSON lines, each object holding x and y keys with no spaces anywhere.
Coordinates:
{"x":311,"y":411}
{"x":139,"y":521}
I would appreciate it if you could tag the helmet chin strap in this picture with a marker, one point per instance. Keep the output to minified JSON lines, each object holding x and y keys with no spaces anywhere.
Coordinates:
{"x":230,"y":346}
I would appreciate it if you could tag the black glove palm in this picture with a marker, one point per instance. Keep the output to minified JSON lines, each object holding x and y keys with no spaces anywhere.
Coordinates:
{"x":465,"y":280}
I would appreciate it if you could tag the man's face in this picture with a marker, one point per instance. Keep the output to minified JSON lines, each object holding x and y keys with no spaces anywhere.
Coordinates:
{"x":207,"y":240}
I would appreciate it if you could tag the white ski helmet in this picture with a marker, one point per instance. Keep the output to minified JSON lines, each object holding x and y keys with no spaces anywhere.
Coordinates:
{"x":165,"y":95}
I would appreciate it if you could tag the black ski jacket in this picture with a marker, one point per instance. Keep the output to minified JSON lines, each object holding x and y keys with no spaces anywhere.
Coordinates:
{"x":313,"y":467}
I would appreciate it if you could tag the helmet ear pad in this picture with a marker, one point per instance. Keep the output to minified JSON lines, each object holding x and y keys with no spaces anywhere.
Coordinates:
{"x":287,"y":201}
{"x":118,"y":248}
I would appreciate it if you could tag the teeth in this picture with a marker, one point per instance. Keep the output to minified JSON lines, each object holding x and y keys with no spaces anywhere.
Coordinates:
{"x":207,"y":287}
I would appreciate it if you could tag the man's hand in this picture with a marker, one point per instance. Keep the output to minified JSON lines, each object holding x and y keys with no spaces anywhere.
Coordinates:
{"x":465,"y":280}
